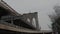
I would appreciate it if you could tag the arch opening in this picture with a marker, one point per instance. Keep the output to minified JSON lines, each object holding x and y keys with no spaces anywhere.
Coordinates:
{"x":34,"y":22}
{"x":28,"y":20}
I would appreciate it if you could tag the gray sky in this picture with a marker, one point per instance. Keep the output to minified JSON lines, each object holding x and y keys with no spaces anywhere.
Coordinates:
{"x":43,"y":7}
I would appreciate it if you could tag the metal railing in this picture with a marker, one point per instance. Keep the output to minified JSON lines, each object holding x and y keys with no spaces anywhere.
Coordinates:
{"x":9,"y":24}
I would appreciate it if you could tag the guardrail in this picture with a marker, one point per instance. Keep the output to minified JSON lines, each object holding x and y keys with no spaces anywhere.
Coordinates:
{"x":9,"y":24}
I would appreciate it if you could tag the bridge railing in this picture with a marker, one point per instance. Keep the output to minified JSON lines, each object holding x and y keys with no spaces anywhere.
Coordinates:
{"x":9,"y":24}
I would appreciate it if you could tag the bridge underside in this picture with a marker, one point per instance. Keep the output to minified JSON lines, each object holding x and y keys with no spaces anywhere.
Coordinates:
{"x":19,"y":22}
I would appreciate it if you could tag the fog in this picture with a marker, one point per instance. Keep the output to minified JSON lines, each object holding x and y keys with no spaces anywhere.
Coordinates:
{"x":43,"y":7}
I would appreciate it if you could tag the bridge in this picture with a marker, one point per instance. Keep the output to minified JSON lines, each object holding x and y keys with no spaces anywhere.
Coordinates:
{"x":13,"y":21}
{"x":17,"y":20}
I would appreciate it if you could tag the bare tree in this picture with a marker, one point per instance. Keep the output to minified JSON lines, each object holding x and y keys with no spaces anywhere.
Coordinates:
{"x":56,"y":20}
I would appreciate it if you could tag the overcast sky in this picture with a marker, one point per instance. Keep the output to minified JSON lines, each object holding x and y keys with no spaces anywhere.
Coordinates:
{"x":43,"y":7}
